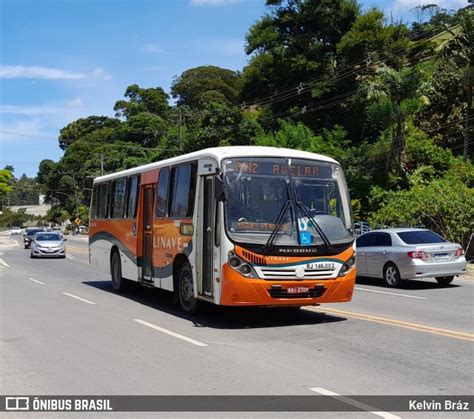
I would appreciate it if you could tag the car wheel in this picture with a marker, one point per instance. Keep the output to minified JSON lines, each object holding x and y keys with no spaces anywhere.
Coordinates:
{"x":31,"y":256}
{"x":444,"y":280}
{"x":119,"y":284}
{"x":187,"y":301}
{"x":391,"y":276}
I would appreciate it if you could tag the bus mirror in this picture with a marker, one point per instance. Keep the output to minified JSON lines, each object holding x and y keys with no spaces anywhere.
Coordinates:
{"x":219,"y":189}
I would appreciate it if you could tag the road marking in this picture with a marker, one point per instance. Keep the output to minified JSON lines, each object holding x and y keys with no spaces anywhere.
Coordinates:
{"x":391,"y":293}
{"x":399,"y":323}
{"x":355,"y":403}
{"x":35,"y":280}
{"x":78,"y":298}
{"x":4,"y":263}
{"x":169,"y":332}
{"x":71,"y":257}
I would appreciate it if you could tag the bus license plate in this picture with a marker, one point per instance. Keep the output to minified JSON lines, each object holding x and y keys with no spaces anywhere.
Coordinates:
{"x":297,"y":290}
{"x":321,"y":266}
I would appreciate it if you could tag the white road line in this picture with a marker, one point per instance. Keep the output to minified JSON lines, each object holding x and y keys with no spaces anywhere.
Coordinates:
{"x":391,"y":293}
{"x":35,"y":280}
{"x":71,"y":257}
{"x":4,"y":263}
{"x":78,"y":298}
{"x":169,"y":332}
{"x":355,"y":403}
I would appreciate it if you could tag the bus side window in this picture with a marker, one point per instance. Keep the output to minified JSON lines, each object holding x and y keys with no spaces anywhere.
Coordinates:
{"x":162,"y":192}
{"x":132,"y":196}
{"x":95,"y":197}
{"x":118,"y":198}
{"x":103,"y":200}
{"x":183,"y":187}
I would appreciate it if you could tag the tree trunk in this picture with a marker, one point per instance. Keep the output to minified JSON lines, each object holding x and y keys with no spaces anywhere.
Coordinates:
{"x":397,"y":152}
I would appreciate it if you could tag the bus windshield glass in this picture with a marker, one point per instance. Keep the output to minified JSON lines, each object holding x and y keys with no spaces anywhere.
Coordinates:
{"x":293,"y":200}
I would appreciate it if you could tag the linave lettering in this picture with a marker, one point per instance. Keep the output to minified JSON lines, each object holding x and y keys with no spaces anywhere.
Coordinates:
{"x":168,"y":243}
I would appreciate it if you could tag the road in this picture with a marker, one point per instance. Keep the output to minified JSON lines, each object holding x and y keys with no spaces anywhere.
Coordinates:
{"x":63,"y":331}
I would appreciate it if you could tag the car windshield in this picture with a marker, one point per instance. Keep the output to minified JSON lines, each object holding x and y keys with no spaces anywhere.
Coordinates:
{"x":420,"y":237}
{"x":48,"y":237}
{"x":263,"y":196}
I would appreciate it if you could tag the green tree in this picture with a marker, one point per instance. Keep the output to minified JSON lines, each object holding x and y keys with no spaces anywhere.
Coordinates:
{"x":200,"y":85}
{"x":25,"y":191}
{"x":5,"y":182}
{"x":153,"y":100}
{"x":444,"y":204}
{"x":84,"y":126}
{"x":296,"y":42}
{"x":400,"y":87}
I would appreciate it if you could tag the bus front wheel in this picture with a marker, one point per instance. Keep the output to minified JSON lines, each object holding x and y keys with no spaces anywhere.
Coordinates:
{"x":187,"y":300}
{"x":118,"y":283}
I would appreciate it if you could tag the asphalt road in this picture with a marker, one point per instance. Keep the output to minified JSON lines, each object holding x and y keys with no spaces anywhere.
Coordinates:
{"x":63,"y":331}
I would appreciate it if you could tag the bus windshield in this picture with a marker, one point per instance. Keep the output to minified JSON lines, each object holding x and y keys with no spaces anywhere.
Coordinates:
{"x":299,"y":202}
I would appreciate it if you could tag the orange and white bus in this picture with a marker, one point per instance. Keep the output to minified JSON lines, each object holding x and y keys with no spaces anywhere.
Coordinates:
{"x":235,"y":226}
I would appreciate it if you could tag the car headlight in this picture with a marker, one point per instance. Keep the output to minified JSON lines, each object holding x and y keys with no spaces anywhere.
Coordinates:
{"x":241,"y":266}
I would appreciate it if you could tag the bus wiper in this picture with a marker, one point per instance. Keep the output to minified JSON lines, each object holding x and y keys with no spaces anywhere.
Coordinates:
{"x":315,"y":225}
{"x":278,"y":223}
{"x":305,"y":211}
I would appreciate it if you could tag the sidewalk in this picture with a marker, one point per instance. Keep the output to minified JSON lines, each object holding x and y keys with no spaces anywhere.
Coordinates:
{"x":78,"y":238}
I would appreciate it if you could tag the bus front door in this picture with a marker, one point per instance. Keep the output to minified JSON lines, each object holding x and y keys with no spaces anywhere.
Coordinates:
{"x":147,"y":228}
{"x":207,"y":235}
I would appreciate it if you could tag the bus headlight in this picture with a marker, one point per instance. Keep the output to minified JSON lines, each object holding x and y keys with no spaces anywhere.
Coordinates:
{"x":347,"y":266}
{"x":241,"y":266}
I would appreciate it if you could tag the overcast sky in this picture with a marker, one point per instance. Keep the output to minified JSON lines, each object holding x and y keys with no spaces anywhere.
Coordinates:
{"x":66,"y":59}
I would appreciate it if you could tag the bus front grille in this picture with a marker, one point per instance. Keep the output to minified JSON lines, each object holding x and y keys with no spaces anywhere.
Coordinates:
{"x":290,"y":274}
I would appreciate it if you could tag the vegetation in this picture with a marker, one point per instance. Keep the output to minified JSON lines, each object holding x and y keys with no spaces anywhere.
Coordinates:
{"x":392,"y":102}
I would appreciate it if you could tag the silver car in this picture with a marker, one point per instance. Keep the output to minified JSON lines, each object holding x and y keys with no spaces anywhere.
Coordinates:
{"x":408,"y":253}
{"x":48,"y":244}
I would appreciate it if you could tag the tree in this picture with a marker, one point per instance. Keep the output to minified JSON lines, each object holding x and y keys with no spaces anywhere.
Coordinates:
{"x":400,"y":88}
{"x":296,"y":43}
{"x":25,"y":191}
{"x":153,"y":100}
{"x":205,"y":84}
{"x":84,"y":126}
{"x":5,"y":182}
{"x":459,"y":51}
{"x":144,"y":128}
{"x":445,"y":204}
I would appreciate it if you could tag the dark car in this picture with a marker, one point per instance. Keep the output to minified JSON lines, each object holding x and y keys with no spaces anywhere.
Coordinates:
{"x":30,"y":236}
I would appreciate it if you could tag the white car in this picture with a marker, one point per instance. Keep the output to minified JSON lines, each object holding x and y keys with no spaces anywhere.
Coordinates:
{"x":16,"y":231}
{"x":48,"y":244}
{"x":397,"y":254}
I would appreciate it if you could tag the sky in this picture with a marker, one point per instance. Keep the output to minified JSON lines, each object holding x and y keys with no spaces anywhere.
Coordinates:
{"x":61,"y":60}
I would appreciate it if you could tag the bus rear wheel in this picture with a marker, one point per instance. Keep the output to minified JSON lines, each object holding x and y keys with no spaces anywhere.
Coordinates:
{"x":187,"y":300}
{"x":119,"y":284}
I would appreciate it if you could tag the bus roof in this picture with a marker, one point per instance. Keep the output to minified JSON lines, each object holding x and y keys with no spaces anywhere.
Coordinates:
{"x":219,"y":153}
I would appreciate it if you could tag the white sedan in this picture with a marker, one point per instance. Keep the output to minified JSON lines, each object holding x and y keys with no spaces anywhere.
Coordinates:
{"x":48,"y":244}
{"x":397,"y":254}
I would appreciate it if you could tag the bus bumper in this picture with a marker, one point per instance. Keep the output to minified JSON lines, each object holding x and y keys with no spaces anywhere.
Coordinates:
{"x":238,"y":290}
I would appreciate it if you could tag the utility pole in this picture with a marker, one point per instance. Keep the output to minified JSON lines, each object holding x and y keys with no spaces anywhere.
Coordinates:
{"x":467,"y":128}
{"x":180,"y":128}
{"x":101,"y":164}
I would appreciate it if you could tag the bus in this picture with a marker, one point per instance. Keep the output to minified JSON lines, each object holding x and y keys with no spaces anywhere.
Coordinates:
{"x":232,"y":226}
